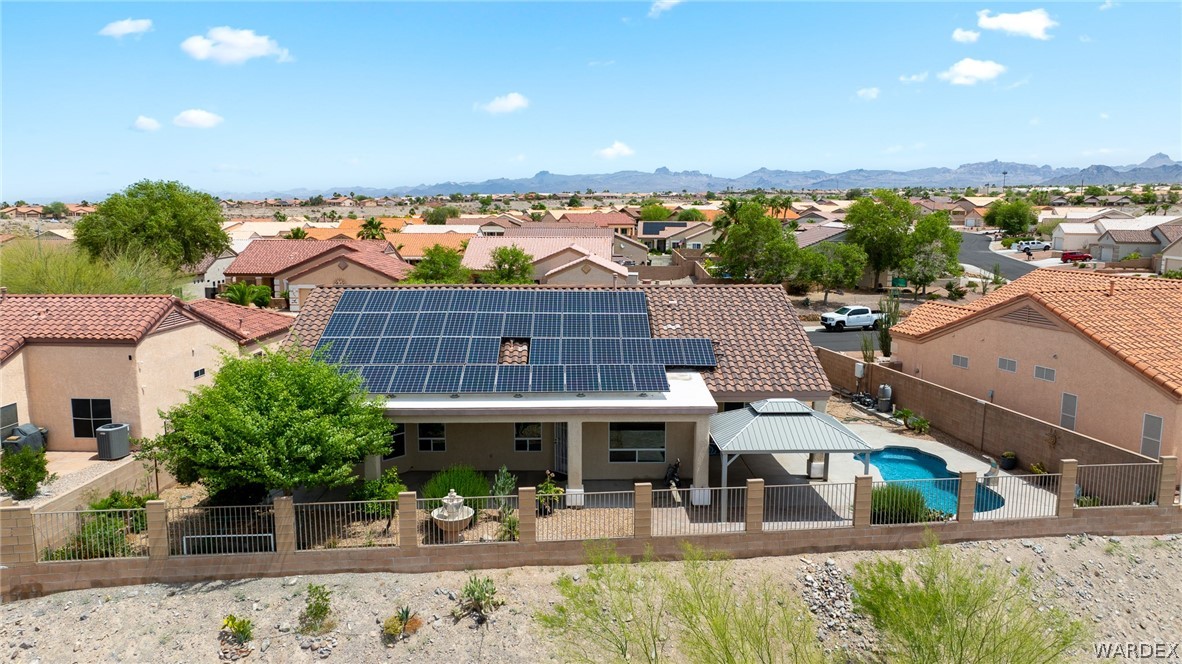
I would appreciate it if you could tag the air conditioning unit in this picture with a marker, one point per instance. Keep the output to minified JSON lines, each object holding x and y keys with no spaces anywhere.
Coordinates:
{"x":114,"y":441}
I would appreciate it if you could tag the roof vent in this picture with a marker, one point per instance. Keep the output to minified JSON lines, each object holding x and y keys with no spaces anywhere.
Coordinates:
{"x":1111,"y":287}
{"x":671,"y":326}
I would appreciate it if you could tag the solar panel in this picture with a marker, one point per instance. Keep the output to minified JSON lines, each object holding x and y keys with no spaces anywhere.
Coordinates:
{"x":576,"y":351}
{"x":547,"y":378}
{"x":437,"y":300}
{"x":691,"y":353}
{"x":513,"y":378}
{"x":543,"y":350}
{"x":582,"y":378}
{"x":578,"y":302}
{"x":576,"y":325}
{"x":488,"y":324}
{"x":605,"y":325}
{"x":330,"y":349}
{"x":608,"y":351}
{"x":452,"y":350}
{"x":377,"y":377}
{"x":650,"y":378}
{"x":634,"y":325}
{"x":370,"y":325}
{"x":548,"y":301}
{"x":459,"y":323}
{"x":352,"y":300}
{"x":429,"y":324}
{"x":443,"y":379}
{"x":631,"y":302}
{"x":519,"y":326}
{"x":547,"y":325}
{"x":400,"y":325}
{"x":421,"y":350}
{"x":408,"y":300}
{"x":381,"y":301}
{"x":491,"y":300}
{"x":663,"y":351}
{"x":616,"y":378}
{"x":519,"y":300}
{"x":390,"y":350}
{"x":360,"y":350}
{"x":478,"y":378}
{"x":603,"y":302}
{"x":341,"y":325}
{"x":408,"y":379}
{"x":484,"y":350}
{"x":638,"y":351}
{"x":465,"y":300}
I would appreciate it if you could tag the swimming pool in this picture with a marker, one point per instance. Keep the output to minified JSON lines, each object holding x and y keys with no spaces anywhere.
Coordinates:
{"x":897,"y":464}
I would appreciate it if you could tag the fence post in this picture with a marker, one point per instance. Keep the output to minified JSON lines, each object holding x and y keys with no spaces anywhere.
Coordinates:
{"x":285,"y":528}
{"x":642,"y":510}
{"x":1070,"y":470}
{"x":408,"y":520}
{"x":1169,"y":479}
{"x":527,"y":515}
{"x":16,"y":536}
{"x":863,"y":487}
{"x":157,"y":514}
{"x":966,"y":496}
{"x":754,"y":512}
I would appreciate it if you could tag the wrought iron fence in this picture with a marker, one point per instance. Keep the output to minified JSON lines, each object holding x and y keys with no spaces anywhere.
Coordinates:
{"x":345,"y":525}
{"x":795,"y":506}
{"x":91,"y":534}
{"x":1004,"y":497}
{"x":479,"y":519}
{"x":913,"y":501}
{"x":598,"y":515}
{"x":211,"y":530}
{"x":678,"y":512}
{"x":1111,"y":484}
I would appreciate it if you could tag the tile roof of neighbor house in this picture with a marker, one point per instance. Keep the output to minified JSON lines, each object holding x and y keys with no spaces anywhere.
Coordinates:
{"x":1139,"y":236}
{"x":541,"y":229}
{"x":271,"y":256}
{"x":1110,"y":310}
{"x":1170,"y":232}
{"x":95,"y":318}
{"x":412,"y":246}
{"x":600,"y":219}
{"x":589,"y":257}
{"x":246,"y":323}
{"x":760,"y":345}
{"x":205,"y":262}
{"x":387,"y":265}
{"x":811,"y":235}
{"x":479,"y":253}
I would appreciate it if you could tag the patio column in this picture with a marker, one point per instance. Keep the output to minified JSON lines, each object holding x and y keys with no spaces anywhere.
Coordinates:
{"x":574,"y":463}
{"x":699,"y":493}
{"x":373,"y":466}
{"x":1068,"y":469}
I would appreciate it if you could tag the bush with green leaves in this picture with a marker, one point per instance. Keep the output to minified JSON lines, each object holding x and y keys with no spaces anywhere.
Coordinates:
{"x":373,"y":492}
{"x":466,"y":480}
{"x":316,"y":617}
{"x":897,"y":503}
{"x":919,"y":424}
{"x":935,"y":608}
{"x":478,"y":598}
{"x":22,"y":471}
{"x":240,"y":629}
{"x":126,"y":500}
{"x":244,"y":293}
{"x":101,"y":535}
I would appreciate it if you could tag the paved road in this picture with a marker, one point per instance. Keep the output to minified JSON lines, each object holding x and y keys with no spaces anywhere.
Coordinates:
{"x":974,"y":250}
{"x":841,"y":342}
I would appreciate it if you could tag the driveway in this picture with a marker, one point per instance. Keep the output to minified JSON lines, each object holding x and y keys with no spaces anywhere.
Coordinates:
{"x":974,"y":250}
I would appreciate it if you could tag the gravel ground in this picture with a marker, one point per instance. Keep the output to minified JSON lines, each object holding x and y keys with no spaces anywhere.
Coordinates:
{"x":1127,"y":589}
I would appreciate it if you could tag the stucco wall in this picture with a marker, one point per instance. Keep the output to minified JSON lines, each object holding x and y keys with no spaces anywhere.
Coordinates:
{"x":595,"y":276}
{"x":326,"y":275}
{"x":13,"y":388}
{"x":544,"y":265}
{"x":679,"y":443}
{"x":630,"y":251}
{"x":55,"y":374}
{"x":166,"y":362}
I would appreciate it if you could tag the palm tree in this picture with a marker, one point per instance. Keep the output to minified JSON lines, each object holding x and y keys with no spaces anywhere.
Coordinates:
{"x":371,"y":230}
{"x":730,"y":212}
{"x":297,"y":233}
{"x":245,"y":294}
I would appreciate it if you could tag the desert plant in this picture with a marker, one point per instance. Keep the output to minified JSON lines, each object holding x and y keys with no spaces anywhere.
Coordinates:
{"x":401,"y":625}
{"x":867,"y":349}
{"x":466,"y":480}
{"x":997,"y":279}
{"x":1009,"y":454}
{"x":897,"y":503}
{"x":904,"y":415}
{"x":1038,"y":469}
{"x":241,"y":629}
{"x":478,"y":598}
{"x":509,"y":529}
{"x":548,"y":494}
{"x":1087,"y":501}
{"x":243,"y":293}
{"x":890,"y":316}
{"x":1132,"y":256}
{"x":101,"y":535}
{"x":23,"y":470}
{"x":126,"y":500}
{"x":316,"y":618}
{"x":935,"y":608}
{"x":918,"y":424}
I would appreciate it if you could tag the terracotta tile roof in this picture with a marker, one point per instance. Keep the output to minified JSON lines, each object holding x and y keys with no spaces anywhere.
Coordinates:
{"x":329,"y":234}
{"x":1140,"y":236}
{"x":759,"y":342}
{"x":542,"y":229}
{"x":388,"y":265}
{"x":480,"y":249}
{"x":93,"y":318}
{"x":245,"y":323}
{"x":268,"y":257}
{"x":1170,"y":232}
{"x":600,"y":219}
{"x":816,"y":234}
{"x":412,"y":245}
{"x":514,"y":351}
{"x":589,"y":257}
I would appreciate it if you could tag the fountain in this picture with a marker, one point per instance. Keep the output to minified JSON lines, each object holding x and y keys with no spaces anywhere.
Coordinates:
{"x":452,"y":517}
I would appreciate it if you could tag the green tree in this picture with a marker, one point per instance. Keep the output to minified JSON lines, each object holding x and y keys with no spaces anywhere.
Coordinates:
{"x":757,"y":248}
{"x":510,"y":265}
{"x":1012,"y":217}
{"x":1095,"y":190}
{"x":655,"y":212}
{"x":574,"y":201}
{"x":244,"y":293}
{"x":1039,"y":197}
{"x":313,"y":201}
{"x":440,"y":265}
{"x":935,"y":230}
{"x":279,"y":216}
{"x":854,"y":194}
{"x":62,"y":268}
{"x":880,"y":227}
{"x":440,"y":215}
{"x":730,"y":211}
{"x":178,"y":225}
{"x":55,"y":210}
{"x":371,"y":229}
{"x":834,"y":265}
{"x":279,"y":420}
{"x":297,"y":233}
{"x":691,"y":214}
{"x":924,"y":264}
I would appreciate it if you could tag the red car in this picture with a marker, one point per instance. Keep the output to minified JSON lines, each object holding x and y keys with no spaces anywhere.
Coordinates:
{"x":1075,"y":256}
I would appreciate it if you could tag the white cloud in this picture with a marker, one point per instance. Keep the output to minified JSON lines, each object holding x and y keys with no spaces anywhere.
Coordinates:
{"x":145,"y":123}
{"x":616,"y":149}
{"x":1087,"y":39}
{"x":1108,"y":4}
{"x":1103,"y":116}
{"x":195,"y":118}
{"x":128,"y":26}
{"x":869,"y":94}
{"x":914,"y":78}
{"x":965,"y":36}
{"x":661,"y":6}
{"x":1033,"y":23}
{"x":970,"y":72}
{"x":514,"y":101}
{"x":229,"y":46}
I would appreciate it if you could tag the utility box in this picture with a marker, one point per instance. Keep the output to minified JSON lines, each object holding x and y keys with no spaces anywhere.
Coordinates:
{"x":114,"y":441}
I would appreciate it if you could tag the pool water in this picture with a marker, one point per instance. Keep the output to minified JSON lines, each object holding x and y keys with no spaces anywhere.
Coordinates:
{"x":897,"y":464}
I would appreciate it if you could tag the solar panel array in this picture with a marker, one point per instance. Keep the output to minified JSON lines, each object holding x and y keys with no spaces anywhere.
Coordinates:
{"x":449,"y":341}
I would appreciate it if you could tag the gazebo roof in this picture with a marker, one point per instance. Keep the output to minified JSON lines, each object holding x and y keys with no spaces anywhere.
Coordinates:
{"x":778,"y":426}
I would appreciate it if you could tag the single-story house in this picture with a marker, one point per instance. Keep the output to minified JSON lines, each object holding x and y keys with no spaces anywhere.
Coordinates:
{"x":412,"y":247}
{"x":209,"y":273}
{"x":1116,"y":244}
{"x":585,"y":261}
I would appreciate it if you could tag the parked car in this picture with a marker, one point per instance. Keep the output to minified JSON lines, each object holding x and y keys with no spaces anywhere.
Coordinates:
{"x":863,"y":317}
{"x":1075,"y":256}
{"x":1033,"y":245}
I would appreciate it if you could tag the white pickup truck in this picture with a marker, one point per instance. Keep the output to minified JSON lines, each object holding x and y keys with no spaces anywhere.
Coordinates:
{"x":863,"y":317}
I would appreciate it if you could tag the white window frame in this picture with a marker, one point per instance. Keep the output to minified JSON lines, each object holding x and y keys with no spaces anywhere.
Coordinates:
{"x":1002,"y":365}
{"x":1066,"y":420}
{"x":962,"y":364}
{"x":198,"y":373}
{"x":1044,"y":375}
{"x":1161,"y":430}
{"x":620,"y":454}
{"x":433,"y":443}
{"x":526,"y":443}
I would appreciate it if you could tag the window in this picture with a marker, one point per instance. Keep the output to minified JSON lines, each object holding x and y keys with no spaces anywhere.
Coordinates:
{"x":432,"y":438}
{"x":9,"y":419}
{"x":636,"y":442}
{"x":1044,"y":373}
{"x":198,"y":373}
{"x":1006,"y":364}
{"x":89,"y":414}
{"x":527,"y":437}
{"x":1067,"y":411}
{"x":1151,"y":430}
{"x":960,"y":361}
{"x":397,"y":442}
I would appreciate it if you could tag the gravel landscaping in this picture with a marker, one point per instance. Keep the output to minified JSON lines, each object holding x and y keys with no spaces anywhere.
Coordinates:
{"x":1126,"y":588}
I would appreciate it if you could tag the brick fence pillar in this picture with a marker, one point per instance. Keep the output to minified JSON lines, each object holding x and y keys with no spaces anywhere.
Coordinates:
{"x":754,"y":513}
{"x":1169,"y":480}
{"x":408,"y":520}
{"x":527,"y":515}
{"x":966,"y":496}
{"x":1070,"y":470}
{"x":642,"y":511}
{"x":285,"y":528}
{"x":16,"y":536}
{"x":863,"y":487}
{"x":157,"y":515}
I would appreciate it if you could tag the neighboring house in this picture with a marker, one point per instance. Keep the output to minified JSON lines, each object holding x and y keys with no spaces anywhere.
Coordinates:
{"x":1116,"y":244}
{"x":1171,"y":256}
{"x":594,"y":383}
{"x":1085,"y":235}
{"x":298,"y":266}
{"x":57,"y":235}
{"x":412,"y":247}
{"x":71,"y":363}
{"x":435,"y":229}
{"x":618,"y":222}
{"x":809,"y":235}
{"x":556,"y":259}
{"x":340,"y":201}
{"x":210,"y":273}
{"x":625,"y":249}
{"x":1095,"y":353}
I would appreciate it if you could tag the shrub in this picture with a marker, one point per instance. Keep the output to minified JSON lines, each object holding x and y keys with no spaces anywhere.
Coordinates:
{"x":466,"y":480}
{"x":386,"y":487}
{"x":548,"y":494}
{"x":316,"y":617}
{"x":1172,"y":274}
{"x":1038,"y":469}
{"x":22,"y":471}
{"x":1087,"y":501}
{"x":401,"y":625}
{"x":919,"y":425}
{"x":98,"y":536}
{"x":1132,"y":256}
{"x":126,"y":500}
{"x":938,"y":609}
{"x":1008,"y":242}
{"x":478,"y":599}
{"x":904,"y":415}
{"x":1009,"y":454}
{"x":509,"y":529}
{"x":897,"y":503}
{"x":242,"y":629}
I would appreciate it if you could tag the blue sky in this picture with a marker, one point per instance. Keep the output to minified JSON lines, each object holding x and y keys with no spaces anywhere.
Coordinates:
{"x":280,"y":96}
